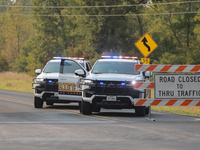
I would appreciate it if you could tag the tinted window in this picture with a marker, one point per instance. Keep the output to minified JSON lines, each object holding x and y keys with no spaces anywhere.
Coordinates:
{"x":52,"y":67}
{"x":70,"y":66}
{"x":115,"y":67}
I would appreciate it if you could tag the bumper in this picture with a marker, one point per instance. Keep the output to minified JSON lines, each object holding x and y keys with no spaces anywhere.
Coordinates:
{"x":121,"y":102}
{"x":46,"y":94}
{"x":103,"y":97}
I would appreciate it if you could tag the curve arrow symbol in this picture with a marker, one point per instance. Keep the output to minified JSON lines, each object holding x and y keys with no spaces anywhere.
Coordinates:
{"x":145,"y":44}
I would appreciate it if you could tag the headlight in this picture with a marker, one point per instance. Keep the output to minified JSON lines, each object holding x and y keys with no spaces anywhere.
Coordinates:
{"x":87,"y":81}
{"x":38,"y":80}
{"x":88,"y":84}
{"x":133,"y":82}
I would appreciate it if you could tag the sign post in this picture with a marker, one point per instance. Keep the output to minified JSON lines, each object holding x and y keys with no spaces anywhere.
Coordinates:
{"x":146,"y":45}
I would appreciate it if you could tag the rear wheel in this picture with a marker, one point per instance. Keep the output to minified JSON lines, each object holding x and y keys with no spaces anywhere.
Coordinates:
{"x":38,"y":102}
{"x":140,"y":110}
{"x":86,"y":108}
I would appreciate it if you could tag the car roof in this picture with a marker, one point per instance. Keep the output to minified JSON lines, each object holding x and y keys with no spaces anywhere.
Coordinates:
{"x":119,"y":60}
{"x":58,"y":60}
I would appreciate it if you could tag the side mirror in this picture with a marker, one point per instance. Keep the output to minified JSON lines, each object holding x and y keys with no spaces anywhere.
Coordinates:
{"x":80,"y":72}
{"x":38,"y":71}
{"x":147,"y":74}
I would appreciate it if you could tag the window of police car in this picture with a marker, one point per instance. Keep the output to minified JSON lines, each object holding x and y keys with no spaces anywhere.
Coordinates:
{"x":52,"y":67}
{"x":70,"y":66}
{"x":115,"y":67}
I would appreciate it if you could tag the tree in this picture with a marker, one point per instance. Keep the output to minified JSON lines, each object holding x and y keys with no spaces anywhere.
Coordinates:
{"x":173,"y":32}
{"x":111,"y":33}
{"x":16,"y":29}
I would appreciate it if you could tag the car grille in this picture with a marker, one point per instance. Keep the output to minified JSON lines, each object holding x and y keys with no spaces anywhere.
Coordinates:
{"x":51,"y":85}
{"x":113,"y":88}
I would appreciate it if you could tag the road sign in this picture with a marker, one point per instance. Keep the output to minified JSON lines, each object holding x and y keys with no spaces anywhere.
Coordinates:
{"x":145,"y":60}
{"x":146,"y":45}
{"x":177,"y":86}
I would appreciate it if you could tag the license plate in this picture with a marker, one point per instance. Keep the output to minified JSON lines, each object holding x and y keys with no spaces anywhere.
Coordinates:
{"x":111,"y":98}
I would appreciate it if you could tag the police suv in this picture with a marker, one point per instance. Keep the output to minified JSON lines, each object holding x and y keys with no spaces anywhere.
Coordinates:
{"x":110,"y":85}
{"x":48,"y":89}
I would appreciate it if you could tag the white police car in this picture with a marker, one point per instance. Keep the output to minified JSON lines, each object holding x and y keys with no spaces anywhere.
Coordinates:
{"x":45,"y":85}
{"x":110,"y":85}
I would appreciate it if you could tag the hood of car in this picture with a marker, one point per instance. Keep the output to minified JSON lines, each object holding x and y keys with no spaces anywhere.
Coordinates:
{"x":48,"y":75}
{"x":114,"y":77}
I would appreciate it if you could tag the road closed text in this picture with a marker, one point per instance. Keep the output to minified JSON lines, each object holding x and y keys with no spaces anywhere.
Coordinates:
{"x":177,"y":86}
{"x":180,"y":79}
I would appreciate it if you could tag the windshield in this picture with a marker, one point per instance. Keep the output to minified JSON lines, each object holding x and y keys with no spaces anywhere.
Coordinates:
{"x":52,"y":67}
{"x":115,"y":67}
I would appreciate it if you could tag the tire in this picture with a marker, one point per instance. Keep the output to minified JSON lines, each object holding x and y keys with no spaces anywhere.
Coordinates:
{"x":80,"y":108}
{"x":49,"y":103}
{"x":96,"y":109}
{"x":140,"y":110}
{"x":86,"y":108}
{"x":38,"y":102}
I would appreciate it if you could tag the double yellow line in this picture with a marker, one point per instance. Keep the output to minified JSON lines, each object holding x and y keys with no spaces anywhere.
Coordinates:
{"x":15,"y":100}
{"x":76,"y":112}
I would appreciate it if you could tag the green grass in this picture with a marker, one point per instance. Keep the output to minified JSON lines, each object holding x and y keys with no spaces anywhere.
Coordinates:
{"x":13,"y":81}
{"x":22,"y":82}
{"x":191,"y":111}
{"x":184,"y":110}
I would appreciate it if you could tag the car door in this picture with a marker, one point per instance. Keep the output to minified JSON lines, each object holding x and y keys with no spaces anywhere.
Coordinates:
{"x":88,"y":66}
{"x":68,"y":82}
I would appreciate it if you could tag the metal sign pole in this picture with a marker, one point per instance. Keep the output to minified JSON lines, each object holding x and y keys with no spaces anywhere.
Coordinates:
{"x":150,"y":98}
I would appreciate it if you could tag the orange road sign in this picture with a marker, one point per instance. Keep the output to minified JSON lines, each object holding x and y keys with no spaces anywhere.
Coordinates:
{"x":146,"y":45}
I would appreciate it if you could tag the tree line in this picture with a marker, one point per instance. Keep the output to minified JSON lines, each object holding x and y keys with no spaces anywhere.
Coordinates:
{"x":34,"y":31}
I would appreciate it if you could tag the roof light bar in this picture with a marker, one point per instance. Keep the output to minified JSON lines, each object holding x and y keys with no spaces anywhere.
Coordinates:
{"x":74,"y":58}
{"x":118,"y":57}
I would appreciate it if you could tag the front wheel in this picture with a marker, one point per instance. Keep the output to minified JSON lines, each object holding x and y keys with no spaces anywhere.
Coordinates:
{"x":140,"y":110}
{"x":86,"y":108}
{"x":38,"y":102}
{"x":80,"y":106}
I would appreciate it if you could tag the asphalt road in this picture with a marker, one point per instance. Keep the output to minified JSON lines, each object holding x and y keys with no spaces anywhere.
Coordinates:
{"x":61,"y":127}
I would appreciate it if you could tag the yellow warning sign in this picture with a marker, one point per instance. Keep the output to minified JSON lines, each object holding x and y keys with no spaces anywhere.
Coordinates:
{"x":146,"y":45}
{"x":145,"y":60}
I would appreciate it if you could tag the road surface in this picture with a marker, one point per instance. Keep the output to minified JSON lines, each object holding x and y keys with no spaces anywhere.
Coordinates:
{"x":63,"y":127}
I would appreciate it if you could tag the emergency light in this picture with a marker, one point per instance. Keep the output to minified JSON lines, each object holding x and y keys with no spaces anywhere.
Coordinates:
{"x":74,"y":58}
{"x":118,"y":57}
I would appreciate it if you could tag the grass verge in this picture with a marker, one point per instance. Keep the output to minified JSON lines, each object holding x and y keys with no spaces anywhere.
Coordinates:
{"x":13,"y":81}
{"x":189,"y":110}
